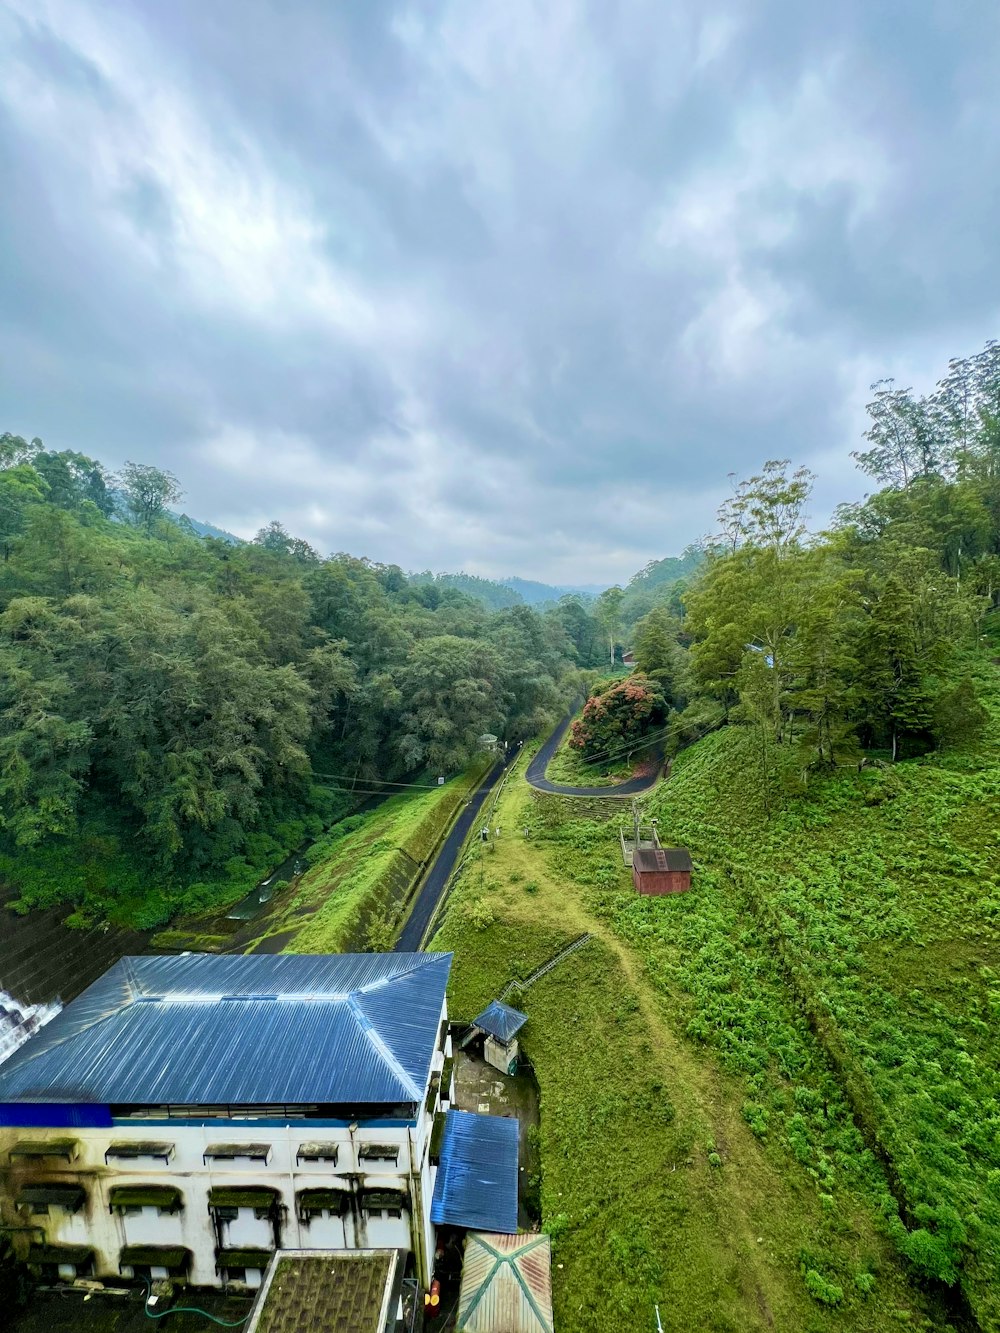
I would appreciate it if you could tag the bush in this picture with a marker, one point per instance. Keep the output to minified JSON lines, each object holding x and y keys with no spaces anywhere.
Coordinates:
{"x":480,"y":914}
{"x":757,"y":1118}
{"x":827,"y":1293}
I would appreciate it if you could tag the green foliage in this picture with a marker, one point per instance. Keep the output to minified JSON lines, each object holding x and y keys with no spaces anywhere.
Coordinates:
{"x":210,"y":704}
{"x":618,"y":717}
{"x":632,"y":1108}
{"x":826,"y":1293}
{"x":864,"y":910}
{"x":480,"y":914}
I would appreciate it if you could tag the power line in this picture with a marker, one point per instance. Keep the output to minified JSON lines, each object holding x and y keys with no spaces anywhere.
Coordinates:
{"x":371,"y":782}
{"x":641,"y":743}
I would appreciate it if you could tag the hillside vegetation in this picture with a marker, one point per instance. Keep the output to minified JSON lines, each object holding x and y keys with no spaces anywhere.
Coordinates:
{"x":657,"y":1184}
{"x":880,"y":891}
{"x":354,"y":894}
{"x":178,"y":712}
{"x":834,"y":712}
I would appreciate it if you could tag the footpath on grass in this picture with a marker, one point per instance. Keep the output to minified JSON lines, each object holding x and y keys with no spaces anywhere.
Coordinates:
{"x":660,"y":1182}
{"x":536,"y":778}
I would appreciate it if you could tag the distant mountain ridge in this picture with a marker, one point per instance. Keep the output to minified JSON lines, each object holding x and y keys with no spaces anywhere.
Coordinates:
{"x":208,"y":529}
{"x":514,"y":590}
{"x":534,"y":592}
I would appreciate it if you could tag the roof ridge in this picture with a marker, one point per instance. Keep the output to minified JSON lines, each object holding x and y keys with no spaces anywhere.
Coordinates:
{"x":423,"y":960}
{"x":378,"y":1041}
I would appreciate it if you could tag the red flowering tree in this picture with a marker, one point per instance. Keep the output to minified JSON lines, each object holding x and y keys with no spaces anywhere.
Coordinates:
{"x":619,"y":717}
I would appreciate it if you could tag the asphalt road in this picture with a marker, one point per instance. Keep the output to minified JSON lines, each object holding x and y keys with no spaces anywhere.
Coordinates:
{"x":441,"y":867}
{"x":536,"y":773}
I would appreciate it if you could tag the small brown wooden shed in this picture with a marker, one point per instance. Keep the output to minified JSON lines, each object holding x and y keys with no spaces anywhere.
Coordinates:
{"x":661,"y":870}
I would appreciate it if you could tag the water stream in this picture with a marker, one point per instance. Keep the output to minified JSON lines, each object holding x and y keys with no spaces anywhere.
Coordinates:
{"x":20,"y":1021}
{"x":282,"y":875}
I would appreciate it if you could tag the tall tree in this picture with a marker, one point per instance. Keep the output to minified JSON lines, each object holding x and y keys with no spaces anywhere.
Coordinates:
{"x":609,"y":615}
{"x":147,"y":492}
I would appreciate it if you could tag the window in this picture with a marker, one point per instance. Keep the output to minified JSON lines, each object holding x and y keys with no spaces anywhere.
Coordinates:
{"x":394,"y":1212}
{"x":138,"y":1150}
{"x":129,"y":1200}
{"x":234,"y":1152}
{"x":227,"y":1214}
{"x":42,"y":1200}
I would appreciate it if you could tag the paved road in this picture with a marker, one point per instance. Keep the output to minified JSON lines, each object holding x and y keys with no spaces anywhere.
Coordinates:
{"x":441,"y":867}
{"x":536,"y":772}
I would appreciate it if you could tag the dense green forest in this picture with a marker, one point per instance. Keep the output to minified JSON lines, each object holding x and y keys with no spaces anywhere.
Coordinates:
{"x":855,"y":643}
{"x":183,"y":709}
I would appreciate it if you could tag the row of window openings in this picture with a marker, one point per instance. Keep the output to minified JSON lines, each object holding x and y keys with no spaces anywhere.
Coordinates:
{"x":366,"y":1153}
{"x":259,"y":1153}
{"x":165,"y":1210}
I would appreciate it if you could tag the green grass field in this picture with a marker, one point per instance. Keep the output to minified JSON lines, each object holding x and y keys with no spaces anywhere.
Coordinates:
{"x":720,"y":1176}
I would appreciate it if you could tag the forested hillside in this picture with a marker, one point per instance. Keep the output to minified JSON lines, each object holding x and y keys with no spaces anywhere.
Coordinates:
{"x":847,"y":807}
{"x":796,"y":1060}
{"x":178,"y":708}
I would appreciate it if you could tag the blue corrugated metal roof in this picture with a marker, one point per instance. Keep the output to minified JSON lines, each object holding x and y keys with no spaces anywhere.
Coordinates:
{"x":476,"y":1183}
{"x":205,"y":1029}
{"x":500,"y":1020}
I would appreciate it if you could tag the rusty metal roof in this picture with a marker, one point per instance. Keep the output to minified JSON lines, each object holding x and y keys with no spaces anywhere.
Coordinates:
{"x":661,"y":859}
{"x":506,"y":1284}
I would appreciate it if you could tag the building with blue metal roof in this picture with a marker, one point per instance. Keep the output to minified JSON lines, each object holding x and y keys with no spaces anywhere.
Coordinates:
{"x":476,"y":1185}
{"x":188,"y":1115}
{"x":500,"y":1021}
{"x":211,"y":1030}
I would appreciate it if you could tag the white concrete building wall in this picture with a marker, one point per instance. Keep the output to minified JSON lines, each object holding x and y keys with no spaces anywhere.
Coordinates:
{"x":189,"y":1171}
{"x":326,"y":1231}
{"x":193,"y":1226}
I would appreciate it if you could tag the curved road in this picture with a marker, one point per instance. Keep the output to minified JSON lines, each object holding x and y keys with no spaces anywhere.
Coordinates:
{"x":436,"y":876}
{"x":536,"y":772}
{"x":438,"y":872}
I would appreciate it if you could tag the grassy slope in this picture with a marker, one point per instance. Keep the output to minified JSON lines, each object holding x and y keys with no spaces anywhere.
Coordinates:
{"x":366,"y":875}
{"x":569,"y":767}
{"x":883,"y":890}
{"x":655,"y":1187}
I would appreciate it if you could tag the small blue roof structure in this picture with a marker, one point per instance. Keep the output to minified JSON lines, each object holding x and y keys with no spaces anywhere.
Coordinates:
{"x":254,"y":1029}
{"x":476,"y":1185}
{"x":500,"y":1020}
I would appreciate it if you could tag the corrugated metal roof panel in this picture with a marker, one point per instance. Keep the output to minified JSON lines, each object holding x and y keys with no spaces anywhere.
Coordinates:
{"x":662,"y":858}
{"x":500,"y":1020}
{"x":476,"y":1183}
{"x":253,"y":1029}
{"x":506,"y":1285}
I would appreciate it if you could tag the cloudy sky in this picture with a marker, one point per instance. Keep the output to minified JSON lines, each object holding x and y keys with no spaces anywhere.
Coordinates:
{"x":503,"y":287}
